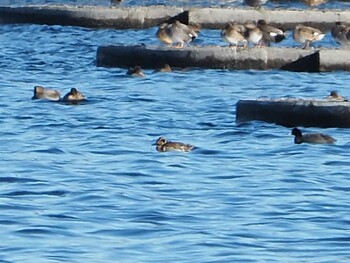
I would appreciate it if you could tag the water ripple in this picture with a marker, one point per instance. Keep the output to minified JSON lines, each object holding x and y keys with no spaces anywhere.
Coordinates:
{"x":89,"y":173}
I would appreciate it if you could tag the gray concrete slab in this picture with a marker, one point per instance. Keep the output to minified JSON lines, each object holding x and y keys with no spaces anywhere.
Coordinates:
{"x":295,"y":112}
{"x":216,"y":57}
{"x":149,"y":16}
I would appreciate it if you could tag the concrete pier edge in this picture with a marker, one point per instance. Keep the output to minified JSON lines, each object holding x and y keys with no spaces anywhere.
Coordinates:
{"x":217,"y":57}
{"x":295,"y":112}
{"x":149,"y":16}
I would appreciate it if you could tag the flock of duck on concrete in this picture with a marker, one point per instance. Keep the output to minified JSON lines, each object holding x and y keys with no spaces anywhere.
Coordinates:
{"x":258,"y":34}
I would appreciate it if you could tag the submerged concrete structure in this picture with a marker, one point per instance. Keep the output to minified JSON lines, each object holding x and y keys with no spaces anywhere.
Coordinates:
{"x":216,"y":57}
{"x":292,"y":112}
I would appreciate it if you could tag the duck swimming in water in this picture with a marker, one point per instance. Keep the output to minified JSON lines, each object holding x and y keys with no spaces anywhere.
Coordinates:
{"x":43,"y":93}
{"x":315,"y":138}
{"x":136,"y":72}
{"x":164,"y":68}
{"x":163,"y":145}
{"x":73,"y":96}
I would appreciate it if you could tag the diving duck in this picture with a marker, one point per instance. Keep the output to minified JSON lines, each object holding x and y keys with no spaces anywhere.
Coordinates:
{"x":43,"y":93}
{"x":315,"y":138}
{"x":163,"y":145}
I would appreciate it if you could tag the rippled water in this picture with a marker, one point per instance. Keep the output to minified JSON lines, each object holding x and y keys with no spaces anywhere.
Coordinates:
{"x":83,"y":183}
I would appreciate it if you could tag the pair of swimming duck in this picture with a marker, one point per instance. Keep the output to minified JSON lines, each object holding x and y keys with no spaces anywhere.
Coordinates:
{"x":261,"y":33}
{"x":43,"y":93}
{"x":137,"y":71}
{"x":163,"y":145}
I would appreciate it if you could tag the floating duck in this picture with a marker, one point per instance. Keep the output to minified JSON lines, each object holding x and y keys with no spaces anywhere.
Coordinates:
{"x":73,"y":96}
{"x":176,"y":33}
{"x":234,"y":34}
{"x":43,"y":93}
{"x":163,"y":145}
{"x":136,"y":72}
{"x":316,"y":138}
{"x":164,"y":68}
{"x":341,"y":34}
{"x":306,"y":35}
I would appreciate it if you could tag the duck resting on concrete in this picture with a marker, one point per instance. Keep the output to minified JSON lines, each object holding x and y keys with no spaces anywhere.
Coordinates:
{"x":313,"y":3}
{"x":233,"y":33}
{"x":270,"y":33}
{"x":163,"y":145}
{"x":334,"y":95}
{"x":306,"y":35}
{"x":176,"y":34}
{"x":341,"y":34}
{"x":315,"y":138}
{"x":253,"y":34}
{"x":255,"y":3}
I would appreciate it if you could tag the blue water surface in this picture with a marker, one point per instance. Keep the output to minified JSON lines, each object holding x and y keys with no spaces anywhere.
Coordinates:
{"x":83,"y":183}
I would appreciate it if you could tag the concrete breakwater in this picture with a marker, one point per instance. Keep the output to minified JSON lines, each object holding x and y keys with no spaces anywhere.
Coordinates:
{"x":295,"y":112}
{"x":215,"y":57}
{"x":204,"y":57}
{"x":149,"y":16}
